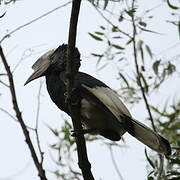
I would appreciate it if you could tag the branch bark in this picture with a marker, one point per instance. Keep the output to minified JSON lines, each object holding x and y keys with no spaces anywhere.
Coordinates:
{"x":38,"y":165}
{"x":161,"y":158}
{"x":137,"y":70}
{"x":74,"y":106}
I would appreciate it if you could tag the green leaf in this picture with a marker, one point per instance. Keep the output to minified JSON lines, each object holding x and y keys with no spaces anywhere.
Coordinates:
{"x":97,"y":55}
{"x":171,"y":68}
{"x":156,"y":66}
{"x":99,"y":33}
{"x":149,"y":51}
{"x":147,"y":30}
{"x":172,"y":6}
{"x":142,"y":23}
{"x":54,"y":131}
{"x":121,"y":18}
{"x":117,"y":46}
{"x":3,"y":15}
{"x":102,"y":27}
{"x":105,"y":3}
{"x":149,"y":160}
{"x":125,"y":80}
{"x":129,"y":41}
{"x":179,"y":27}
{"x":95,"y":37}
{"x":131,"y":12}
{"x":116,"y":37}
{"x":115,"y":29}
{"x":146,"y":86}
{"x":140,"y":48}
{"x":150,"y":178}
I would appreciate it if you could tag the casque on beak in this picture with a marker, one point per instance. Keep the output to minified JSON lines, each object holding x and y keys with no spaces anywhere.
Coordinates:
{"x":40,"y":66}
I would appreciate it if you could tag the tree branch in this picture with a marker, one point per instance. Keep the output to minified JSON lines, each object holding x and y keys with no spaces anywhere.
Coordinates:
{"x":161,"y":158}
{"x":137,"y":69}
{"x":74,"y":106}
{"x":32,"y":21}
{"x":38,"y":165}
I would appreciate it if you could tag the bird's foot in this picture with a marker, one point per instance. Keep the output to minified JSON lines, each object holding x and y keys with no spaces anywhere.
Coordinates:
{"x":76,"y":132}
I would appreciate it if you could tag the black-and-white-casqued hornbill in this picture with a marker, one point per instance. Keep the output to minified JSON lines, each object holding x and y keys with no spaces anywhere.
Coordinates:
{"x":102,"y":112}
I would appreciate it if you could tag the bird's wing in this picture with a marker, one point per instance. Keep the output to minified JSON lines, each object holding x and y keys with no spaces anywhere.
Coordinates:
{"x":110,"y":99}
{"x":104,"y":94}
{"x":133,"y":127}
{"x":147,"y":136}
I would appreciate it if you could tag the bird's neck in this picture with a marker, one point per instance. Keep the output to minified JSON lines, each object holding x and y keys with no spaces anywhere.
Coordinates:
{"x":56,"y":89}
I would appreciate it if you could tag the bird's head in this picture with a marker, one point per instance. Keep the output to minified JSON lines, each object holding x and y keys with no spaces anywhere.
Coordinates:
{"x":53,"y":60}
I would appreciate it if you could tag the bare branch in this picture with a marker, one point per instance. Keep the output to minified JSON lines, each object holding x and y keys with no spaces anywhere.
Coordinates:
{"x":32,"y":21}
{"x":4,"y":84}
{"x":106,"y":19}
{"x":12,"y":117}
{"x":114,"y":163}
{"x":161,"y":158}
{"x":37,"y":121}
{"x":19,"y":117}
{"x":74,"y":102}
{"x":137,"y":69}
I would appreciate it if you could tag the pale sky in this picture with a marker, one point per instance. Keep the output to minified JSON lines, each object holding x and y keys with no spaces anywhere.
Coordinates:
{"x":39,"y":37}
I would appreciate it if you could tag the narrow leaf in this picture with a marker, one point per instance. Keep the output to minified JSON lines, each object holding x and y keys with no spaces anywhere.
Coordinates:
{"x":179,"y":27}
{"x":105,"y":3}
{"x":97,"y":55}
{"x":149,"y":160}
{"x":95,"y":37}
{"x":99,"y":33}
{"x":149,"y":51}
{"x":142,"y":23}
{"x":3,"y":15}
{"x":117,"y":46}
{"x":172,"y":6}
{"x":147,"y":30}
{"x":156,"y":66}
{"x":129,"y":41}
{"x":146,"y":87}
{"x":125,"y":80}
{"x":102,"y":27}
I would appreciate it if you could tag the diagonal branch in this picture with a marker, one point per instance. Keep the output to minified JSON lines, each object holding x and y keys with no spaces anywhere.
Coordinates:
{"x":161,"y":158}
{"x":138,"y":71}
{"x":19,"y":117}
{"x":83,"y":162}
{"x":32,"y":21}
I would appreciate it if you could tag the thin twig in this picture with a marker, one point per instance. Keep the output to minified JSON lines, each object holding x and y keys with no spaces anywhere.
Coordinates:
{"x":83,"y":161}
{"x":106,"y":19}
{"x":4,"y":84}
{"x":161,"y":167}
{"x":12,"y":117}
{"x":114,"y":163}
{"x":37,"y":122}
{"x":32,"y":21}
{"x":161,"y":158}
{"x":38,"y":165}
{"x":138,"y":71}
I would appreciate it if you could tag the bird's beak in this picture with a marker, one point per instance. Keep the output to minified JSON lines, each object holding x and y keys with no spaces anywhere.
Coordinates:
{"x":35,"y":75}
{"x":40,"y":67}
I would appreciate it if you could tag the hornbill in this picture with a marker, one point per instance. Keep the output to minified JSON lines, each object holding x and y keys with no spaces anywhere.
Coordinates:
{"x":102,"y":112}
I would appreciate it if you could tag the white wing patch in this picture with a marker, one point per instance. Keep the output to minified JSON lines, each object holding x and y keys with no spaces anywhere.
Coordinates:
{"x":110,"y":99}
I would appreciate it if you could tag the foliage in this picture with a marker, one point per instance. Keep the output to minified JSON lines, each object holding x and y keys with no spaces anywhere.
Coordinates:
{"x":7,"y":1}
{"x":154,"y":73}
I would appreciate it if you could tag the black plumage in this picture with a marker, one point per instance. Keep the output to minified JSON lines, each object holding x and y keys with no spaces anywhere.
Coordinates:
{"x":102,"y":112}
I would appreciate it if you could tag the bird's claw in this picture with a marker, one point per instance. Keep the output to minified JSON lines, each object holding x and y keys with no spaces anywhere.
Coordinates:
{"x":76,"y":132}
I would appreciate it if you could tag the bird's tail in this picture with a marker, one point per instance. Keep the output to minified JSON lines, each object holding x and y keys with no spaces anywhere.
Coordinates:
{"x":147,"y":136}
